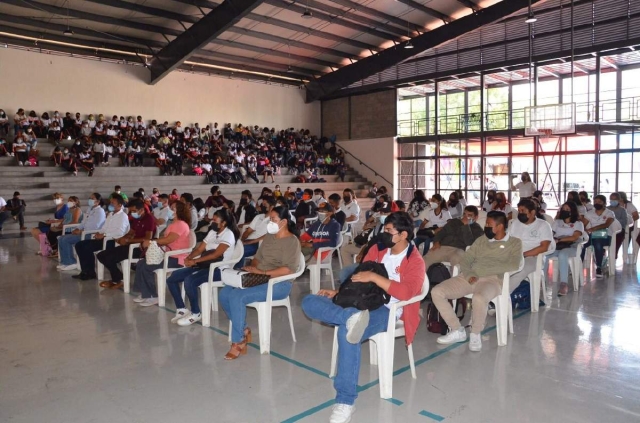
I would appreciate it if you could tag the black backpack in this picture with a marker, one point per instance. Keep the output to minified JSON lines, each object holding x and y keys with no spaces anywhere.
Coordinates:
{"x":363,"y":296}
{"x":436,"y":324}
{"x":437,"y":273}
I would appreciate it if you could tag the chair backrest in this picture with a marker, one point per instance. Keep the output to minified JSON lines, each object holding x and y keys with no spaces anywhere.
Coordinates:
{"x":548,"y":218}
{"x":238,"y":251}
{"x":192,"y":239}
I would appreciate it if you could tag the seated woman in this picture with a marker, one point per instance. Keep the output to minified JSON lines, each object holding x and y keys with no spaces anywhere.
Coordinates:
{"x":597,"y":223}
{"x":175,"y":237}
{"x":436,"y":218}
{"x":71,"y":217}
{"x":221,"y":240}
{"x":58,"y":216}
{"x":406,"y":271}
{"x":501,"y":205}
{"x":20,"y":149}
{"x":568,"y":230}
{"x":277,"y":256}
{"x":57,"y":156}
{"x":54,"y":132}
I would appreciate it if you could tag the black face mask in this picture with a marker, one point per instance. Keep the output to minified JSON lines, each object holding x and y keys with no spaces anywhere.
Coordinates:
{"x":598,"y":206}
{"x":488,"y":232}
{"x":387,"y":239}
{"x":490,"y":198}
{"x":522,"y":217}
{"x":243,"y":202}
{"x":453,"y":202}
{"x":564,"y":214}
{"x":214,"y":227}
{"x":347,"y":199}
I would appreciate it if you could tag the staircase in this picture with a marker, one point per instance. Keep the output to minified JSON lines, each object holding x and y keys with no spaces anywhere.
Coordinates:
{"x":37,"y":184}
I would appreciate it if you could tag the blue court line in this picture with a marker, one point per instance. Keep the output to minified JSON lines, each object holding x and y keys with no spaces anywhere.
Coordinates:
{"x":394,"y":401}
{"x":431,"y":415}
{"x":369,"y":385}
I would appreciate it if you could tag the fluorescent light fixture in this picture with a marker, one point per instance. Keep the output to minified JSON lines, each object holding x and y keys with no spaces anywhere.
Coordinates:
{"x":307,"y":14}
{"x":408,"y":45}
{"x":531,"y":19}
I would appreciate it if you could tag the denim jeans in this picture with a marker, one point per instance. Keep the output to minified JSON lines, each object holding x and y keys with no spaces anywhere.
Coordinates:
{"x":65,"y":249}
{"x":598,"y":248}
{"x":234,"y":302}
{"x":563,"y":262}
{"x":426,"y":241}
{"x":192,"y":277}
{"x":324,"y":310}
{"x":145,"y":282}
{"x":249,"y":251}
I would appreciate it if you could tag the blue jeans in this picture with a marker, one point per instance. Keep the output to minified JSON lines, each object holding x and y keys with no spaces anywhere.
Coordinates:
{"x":324,"y":310}
{"x":347,"y":271}
{"x":426,"y":241}
{"x":145,"y":282}
{"x":192,"y":277}
{"x":234,"y":302}
{"x":65,"y":249}
{"x":563,"y":262}
{"x":598,"y":249}
{"x":249,"y":251}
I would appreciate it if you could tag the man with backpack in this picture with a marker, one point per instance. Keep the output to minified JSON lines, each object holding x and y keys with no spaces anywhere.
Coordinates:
{"x":450,"y":243}
{"x":481,"y":271}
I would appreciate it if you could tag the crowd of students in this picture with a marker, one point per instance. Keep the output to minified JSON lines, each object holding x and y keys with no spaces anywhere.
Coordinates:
{"x":223,"y":154}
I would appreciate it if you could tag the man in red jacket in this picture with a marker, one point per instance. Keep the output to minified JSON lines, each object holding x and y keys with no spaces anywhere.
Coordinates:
{"x":406,"y":272}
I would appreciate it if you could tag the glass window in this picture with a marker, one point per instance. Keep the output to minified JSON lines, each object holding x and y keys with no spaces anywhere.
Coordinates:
{"x":608,"y":142}
{"x":578,"y":143}
{"x":522,"y":145}
{"x":548,"y":92}
{"x":497,"y":173}
{"x":497,"y":145}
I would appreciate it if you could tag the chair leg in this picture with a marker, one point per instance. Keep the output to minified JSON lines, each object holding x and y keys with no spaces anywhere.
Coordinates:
{"x":385,"y":366}
{"x":214,"y":298}
{"x":333,"y":283}
{"x":502,"y":320}
{"x":162,"y":288}
{"x":412,"y":364}
{"x":99,"y":270}
{"x":339,"y":259}
{"x":230,"y":327}
{"x":510,"y":319}
{"x":535,"y":292}
{"x":373,"y":352}
{"x":126,"y":275}
{"x":264,"y":328}
{"x":576,"y":271}
{"x":334,"y":354}
{"x":293,"y":331}
{"x":205,"y":295}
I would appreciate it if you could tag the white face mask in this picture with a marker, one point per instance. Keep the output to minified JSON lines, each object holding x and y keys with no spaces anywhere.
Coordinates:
{"x":57,"y":201}
{"x":273,"y":228}
{"x":71,"y":205}
{"x":434,"y":205}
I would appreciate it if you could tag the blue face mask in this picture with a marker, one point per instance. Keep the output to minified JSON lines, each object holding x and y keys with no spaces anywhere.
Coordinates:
{"x":135,"y":215}
{"x":111,"y":208}
{"x":614,"y":203}
{"x":90,"y":202}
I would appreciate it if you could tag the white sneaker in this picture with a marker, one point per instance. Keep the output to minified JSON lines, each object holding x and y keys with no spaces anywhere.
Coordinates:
{"x":356,"y":326}
{"x":475,"y":342}
{"x":180,"y":313}
{"x":138,"y":299}
{"x":189,"y":320}
{"x":453,"y":336}
{"x":342,"y":413}
{"x":148,"y":302}
{"x":68,"y":267}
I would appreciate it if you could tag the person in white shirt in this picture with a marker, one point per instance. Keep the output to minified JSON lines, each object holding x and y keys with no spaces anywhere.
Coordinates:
{"x":455,"y":207}
{"x":4,"y":215}
{"x":536,"y":236}
{"x":567,"y":232}
{"x":597,"y":223}
{"x":252,"y":236}
{"x":350,"y":205}
{"x":163,"y":212}
{"x":501,"y":205}
{"x":318,"y":196}
{"x":219,"y":244}
{"x":488,"y":203}
{"x":437,"y":217}
{"x":584,"y":198}
{"x":630,"y":208}
{"x":115,"y":227}
{"x":525,"y":187}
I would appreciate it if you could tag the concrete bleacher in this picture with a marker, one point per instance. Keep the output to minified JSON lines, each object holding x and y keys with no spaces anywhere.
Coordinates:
{"x":37,"y":184}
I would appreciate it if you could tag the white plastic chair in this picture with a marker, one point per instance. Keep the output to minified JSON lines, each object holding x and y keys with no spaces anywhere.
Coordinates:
{"x":126,"y":268}
{"x":66,"y":230}
{"x":589,"y":256}
{"x":209,"y":289}
{"x":636,"y":247}
{"x":315,"y":270}
{"x":264,"y":309}
{"x":382,"y":345}
{"x":537,"y":280}
{"x":99,"y":266}
{"x":575,"y":265}
{"x":482,"y":218}
{"x":309,"y":221}
{"x":161,"y":274}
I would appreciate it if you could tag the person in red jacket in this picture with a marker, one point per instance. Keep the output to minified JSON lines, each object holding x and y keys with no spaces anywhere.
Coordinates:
{"x":406,"y":272}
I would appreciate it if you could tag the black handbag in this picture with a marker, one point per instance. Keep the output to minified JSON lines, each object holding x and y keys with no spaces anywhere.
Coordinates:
{"x":363,"y":295}
{"x":563,"y":245}
{"x":205,"y":264}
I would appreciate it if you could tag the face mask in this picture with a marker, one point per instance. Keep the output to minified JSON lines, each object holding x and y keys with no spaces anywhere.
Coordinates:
{"x":317,"y":197}
{"x":111,"y":208}
{"x":57,"y":201}
{"x":71,"y":204}
{"x":322,"y":217}
{"x":383,"y":218}
{"x":471,"y":221}
{"x":214,"y":227}
{"x":522,"y":217}
{"x":488,"y":232}
{"x":347,"y":199}
{"x":273,"y":228}
{"x":170,"y":215}
{"x":118,"y":192}
{"x":305,"y":197}
{"x":66,"y":151}
{"x":434,"y":205}
{"x":598,"y":206}
{"x":78,"y":143}
{"x":387,"y":239}
{"x":135,"y":215}
{"x":614,"y":203}
{"x":564,"y":214}
{"x":501,"y":200}
{"x":90,"y":202}
{"x":453,"y":202}
{"x":243,"y":202}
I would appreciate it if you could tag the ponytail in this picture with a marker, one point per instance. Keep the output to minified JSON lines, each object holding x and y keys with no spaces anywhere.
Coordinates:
{"x":283,"y":214}
{"x":230,"y":221}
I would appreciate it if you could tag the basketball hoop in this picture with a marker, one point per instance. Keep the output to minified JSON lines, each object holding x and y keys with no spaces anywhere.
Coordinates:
{"x":545,"y":132}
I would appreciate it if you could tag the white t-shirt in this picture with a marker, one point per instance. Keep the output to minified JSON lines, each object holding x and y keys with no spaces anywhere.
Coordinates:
{"x":392,"y":265}
{"x":561,"y":229}
{"x":506,"y":209}
{"x":213,"y":240}
{"x":595,"y":220}
{"x":526,"y":189}
{"x":351,"y":209}
{"x":3,"y":203}
{"x":631,"y":209}
{"x":259,"y":225}
{"x":439,"y":220}
{"x":532,"y":235}
{"x":162,"y":213}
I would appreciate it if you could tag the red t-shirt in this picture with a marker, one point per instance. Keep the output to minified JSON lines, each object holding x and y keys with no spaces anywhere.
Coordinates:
{"x":140,"y":227}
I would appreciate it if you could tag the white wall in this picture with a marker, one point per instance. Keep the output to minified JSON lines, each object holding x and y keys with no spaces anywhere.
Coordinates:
{"x":45,"y":82}
{"x":379,"y":154}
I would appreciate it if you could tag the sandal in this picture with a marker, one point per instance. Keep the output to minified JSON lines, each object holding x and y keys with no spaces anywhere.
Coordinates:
{"x":236,"y":350}
{"x":247,"y":335}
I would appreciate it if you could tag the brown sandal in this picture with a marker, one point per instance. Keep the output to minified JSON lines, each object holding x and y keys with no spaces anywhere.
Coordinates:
{"x":247,"y":335}
{"x":236,"y":350}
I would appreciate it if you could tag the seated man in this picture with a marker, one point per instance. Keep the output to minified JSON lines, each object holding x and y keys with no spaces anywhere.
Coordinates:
{"x":14,"y":208}
{"x":115,"y":227}
{"x":406,"y":273}
{"x":246,"y":211}
{"x":143,"y":227}
{"x":252,"y":236}
{"x":187,"y":198}
{"x":339,"y":215}
{"x":163,"y":212}
{"x":536,"y":236}
{"x":307,"y":208}
{"x":323,"y":233}
{"x":481,"y":271}
{"x":351,"y":208}
{"x":450,"y":243}
{"x":93,"y":220}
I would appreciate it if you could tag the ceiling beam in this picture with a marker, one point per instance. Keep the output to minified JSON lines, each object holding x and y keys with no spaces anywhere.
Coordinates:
{"x":427,"y":10}
{"x":471,"y":5}
{"x":371,"y":65}
{"x":402,"y":23}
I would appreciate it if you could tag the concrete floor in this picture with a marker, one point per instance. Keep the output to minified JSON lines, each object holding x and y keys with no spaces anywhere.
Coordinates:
{"x":70,"y":352}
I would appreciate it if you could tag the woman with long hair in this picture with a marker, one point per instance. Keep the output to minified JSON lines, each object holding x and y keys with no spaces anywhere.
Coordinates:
{"x":437,"y":217}
{"x":71,"y":217}
{"x":278,"y":255}
{"x":417,"y":205}
{"x":217,"y":246}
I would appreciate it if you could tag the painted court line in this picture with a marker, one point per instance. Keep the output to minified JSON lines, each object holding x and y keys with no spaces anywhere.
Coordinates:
{"x":431,"y":415}
{"x":394,"y":401}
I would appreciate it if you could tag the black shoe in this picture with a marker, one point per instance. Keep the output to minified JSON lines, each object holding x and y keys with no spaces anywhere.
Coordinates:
{"x":88,"y":276}
{"x":598,"y":273}
{"x":79,"y":275}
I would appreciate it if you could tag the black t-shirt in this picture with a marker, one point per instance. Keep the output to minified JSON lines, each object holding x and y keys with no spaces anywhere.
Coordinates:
{"x":305,"y":208}
{"x":341,"y":218}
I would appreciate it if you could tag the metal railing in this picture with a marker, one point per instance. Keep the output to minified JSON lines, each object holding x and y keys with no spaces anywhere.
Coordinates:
{"x":365,"y":165}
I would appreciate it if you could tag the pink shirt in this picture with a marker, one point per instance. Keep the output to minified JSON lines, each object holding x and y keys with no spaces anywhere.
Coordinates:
{"x":182,"y":230}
